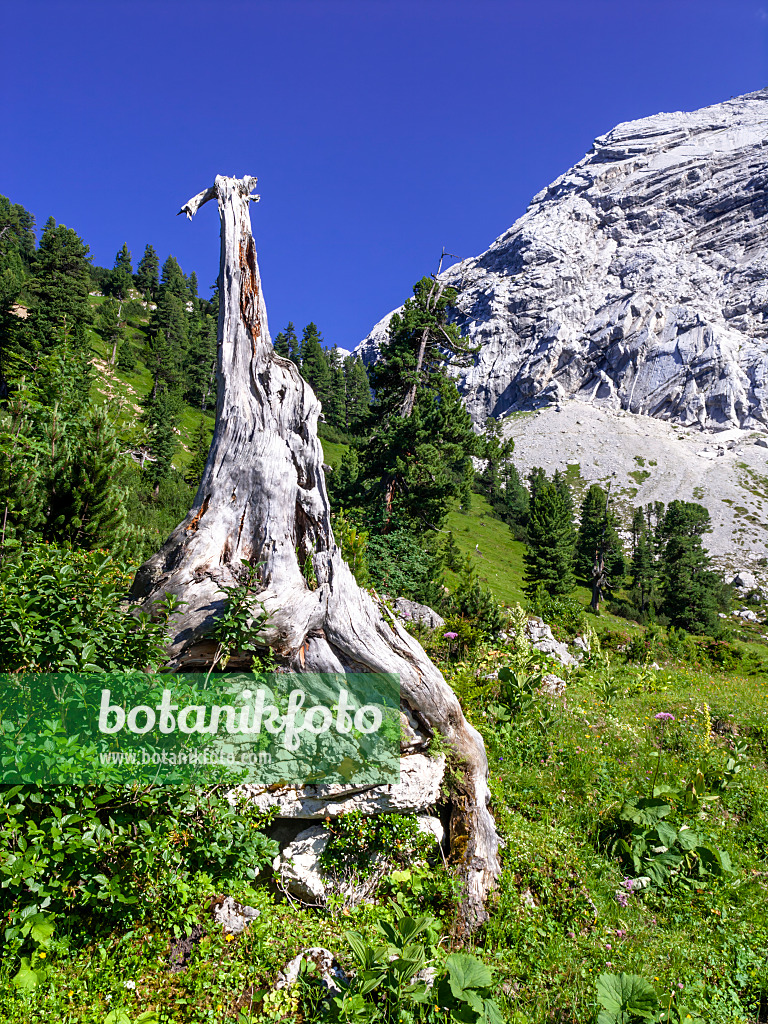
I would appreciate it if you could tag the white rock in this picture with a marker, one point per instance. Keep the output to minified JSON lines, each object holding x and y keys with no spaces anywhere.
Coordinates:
{"x":540,"y":636}
{"x":331,"y":974}
{"x":745,"y":580}
{"x":638,"y":279}
{"x":552,"y":685}
{"x":412,"y":611}
{"x":234,"y":917}
{"x":298,"y":866}
{"x":429,"y":824}
{"x":418,"y":789}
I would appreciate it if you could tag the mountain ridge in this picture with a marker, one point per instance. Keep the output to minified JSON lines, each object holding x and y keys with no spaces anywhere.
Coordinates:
{"x":635,"y":280}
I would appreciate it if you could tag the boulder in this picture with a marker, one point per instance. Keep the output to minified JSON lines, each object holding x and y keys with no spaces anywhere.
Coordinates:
{"x":331,"y":974}
{"x":540,"y":636}
{"x":411,"y":611}
{"x":428,"y":824}
{"x":419,"y":788}
{"x":233,"y":917}
{"x":552,"y":685}
{"x":298,"y":868}
{"x":744,"y":580}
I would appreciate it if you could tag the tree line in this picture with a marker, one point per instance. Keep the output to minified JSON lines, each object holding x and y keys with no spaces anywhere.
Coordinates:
{"x":67,"y":473}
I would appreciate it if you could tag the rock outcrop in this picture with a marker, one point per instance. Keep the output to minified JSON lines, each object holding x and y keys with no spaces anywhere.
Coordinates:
{"x":637,"y":280}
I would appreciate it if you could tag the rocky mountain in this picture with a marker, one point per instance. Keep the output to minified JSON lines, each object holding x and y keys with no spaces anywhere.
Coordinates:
{"x":638,"y":280}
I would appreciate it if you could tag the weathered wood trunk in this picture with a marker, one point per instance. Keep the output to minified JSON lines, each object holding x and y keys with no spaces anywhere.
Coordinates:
{"x":263,"y":498}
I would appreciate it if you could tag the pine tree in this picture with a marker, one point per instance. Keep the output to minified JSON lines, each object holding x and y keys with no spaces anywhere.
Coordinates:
{"x":121,"y":277}
{"x":644,"y":568}
{"x":161,"y":414}
{"x":17,"y":250}
{"x":418,"y":464}
{"x":548,"y":558}
{"x":287,"y":344}
{"x":85,"y":480}
{"x":421,"y":342}
{"x":174,"y":281}
{"x":201,"y":363}
{"x":336,"y":413}
{"x":598,"y":532}
{"x":420,"y":452}
{"x":314,"y":364}
{"x":61,"y":282}
{"x":168,"y":341}
{"x":147,"y":276}
{"x":17,"y":253}
{"x":599,"y":559}
{"x":692,"y":592}
{"x":497,"y":451}
{"x":358,"y":394}
{"x":110,"y":327}
{"x":294,"y":347}
{"x":280,"y":343}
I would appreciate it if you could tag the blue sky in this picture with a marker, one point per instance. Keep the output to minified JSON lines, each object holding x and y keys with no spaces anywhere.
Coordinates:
{"x":380,"y":130}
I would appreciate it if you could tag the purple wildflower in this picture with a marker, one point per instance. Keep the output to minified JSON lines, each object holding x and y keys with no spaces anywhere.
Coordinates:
{"x":664,"y":716}
{"x":622,"y":899}
{"x":450,"y":636}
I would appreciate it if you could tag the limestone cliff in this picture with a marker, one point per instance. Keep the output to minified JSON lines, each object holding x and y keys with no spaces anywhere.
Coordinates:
{"x":638,"y":279}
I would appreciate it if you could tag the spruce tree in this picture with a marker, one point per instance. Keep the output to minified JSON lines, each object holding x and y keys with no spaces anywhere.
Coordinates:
{"x":548,"y":557}
{"x":147,"y":276}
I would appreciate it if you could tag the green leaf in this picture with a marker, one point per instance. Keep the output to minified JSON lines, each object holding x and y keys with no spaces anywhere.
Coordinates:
{"x":619,"y":993}
{"x":26,"y":978}
{"x":466,"y":972}
{"x":117,"y":1016}
{"x":42,"y":930}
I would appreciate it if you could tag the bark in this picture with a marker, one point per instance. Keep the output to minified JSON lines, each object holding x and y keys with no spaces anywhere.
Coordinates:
{"x":263,"y":498}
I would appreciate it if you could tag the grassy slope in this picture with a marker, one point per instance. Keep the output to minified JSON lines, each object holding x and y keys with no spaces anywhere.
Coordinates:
{"x":556,"y":923}
{"x":124,"y":390}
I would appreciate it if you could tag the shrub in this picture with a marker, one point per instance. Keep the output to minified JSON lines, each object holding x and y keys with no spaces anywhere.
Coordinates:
{"x":61,"y":608}
{"x":563,"y":612}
